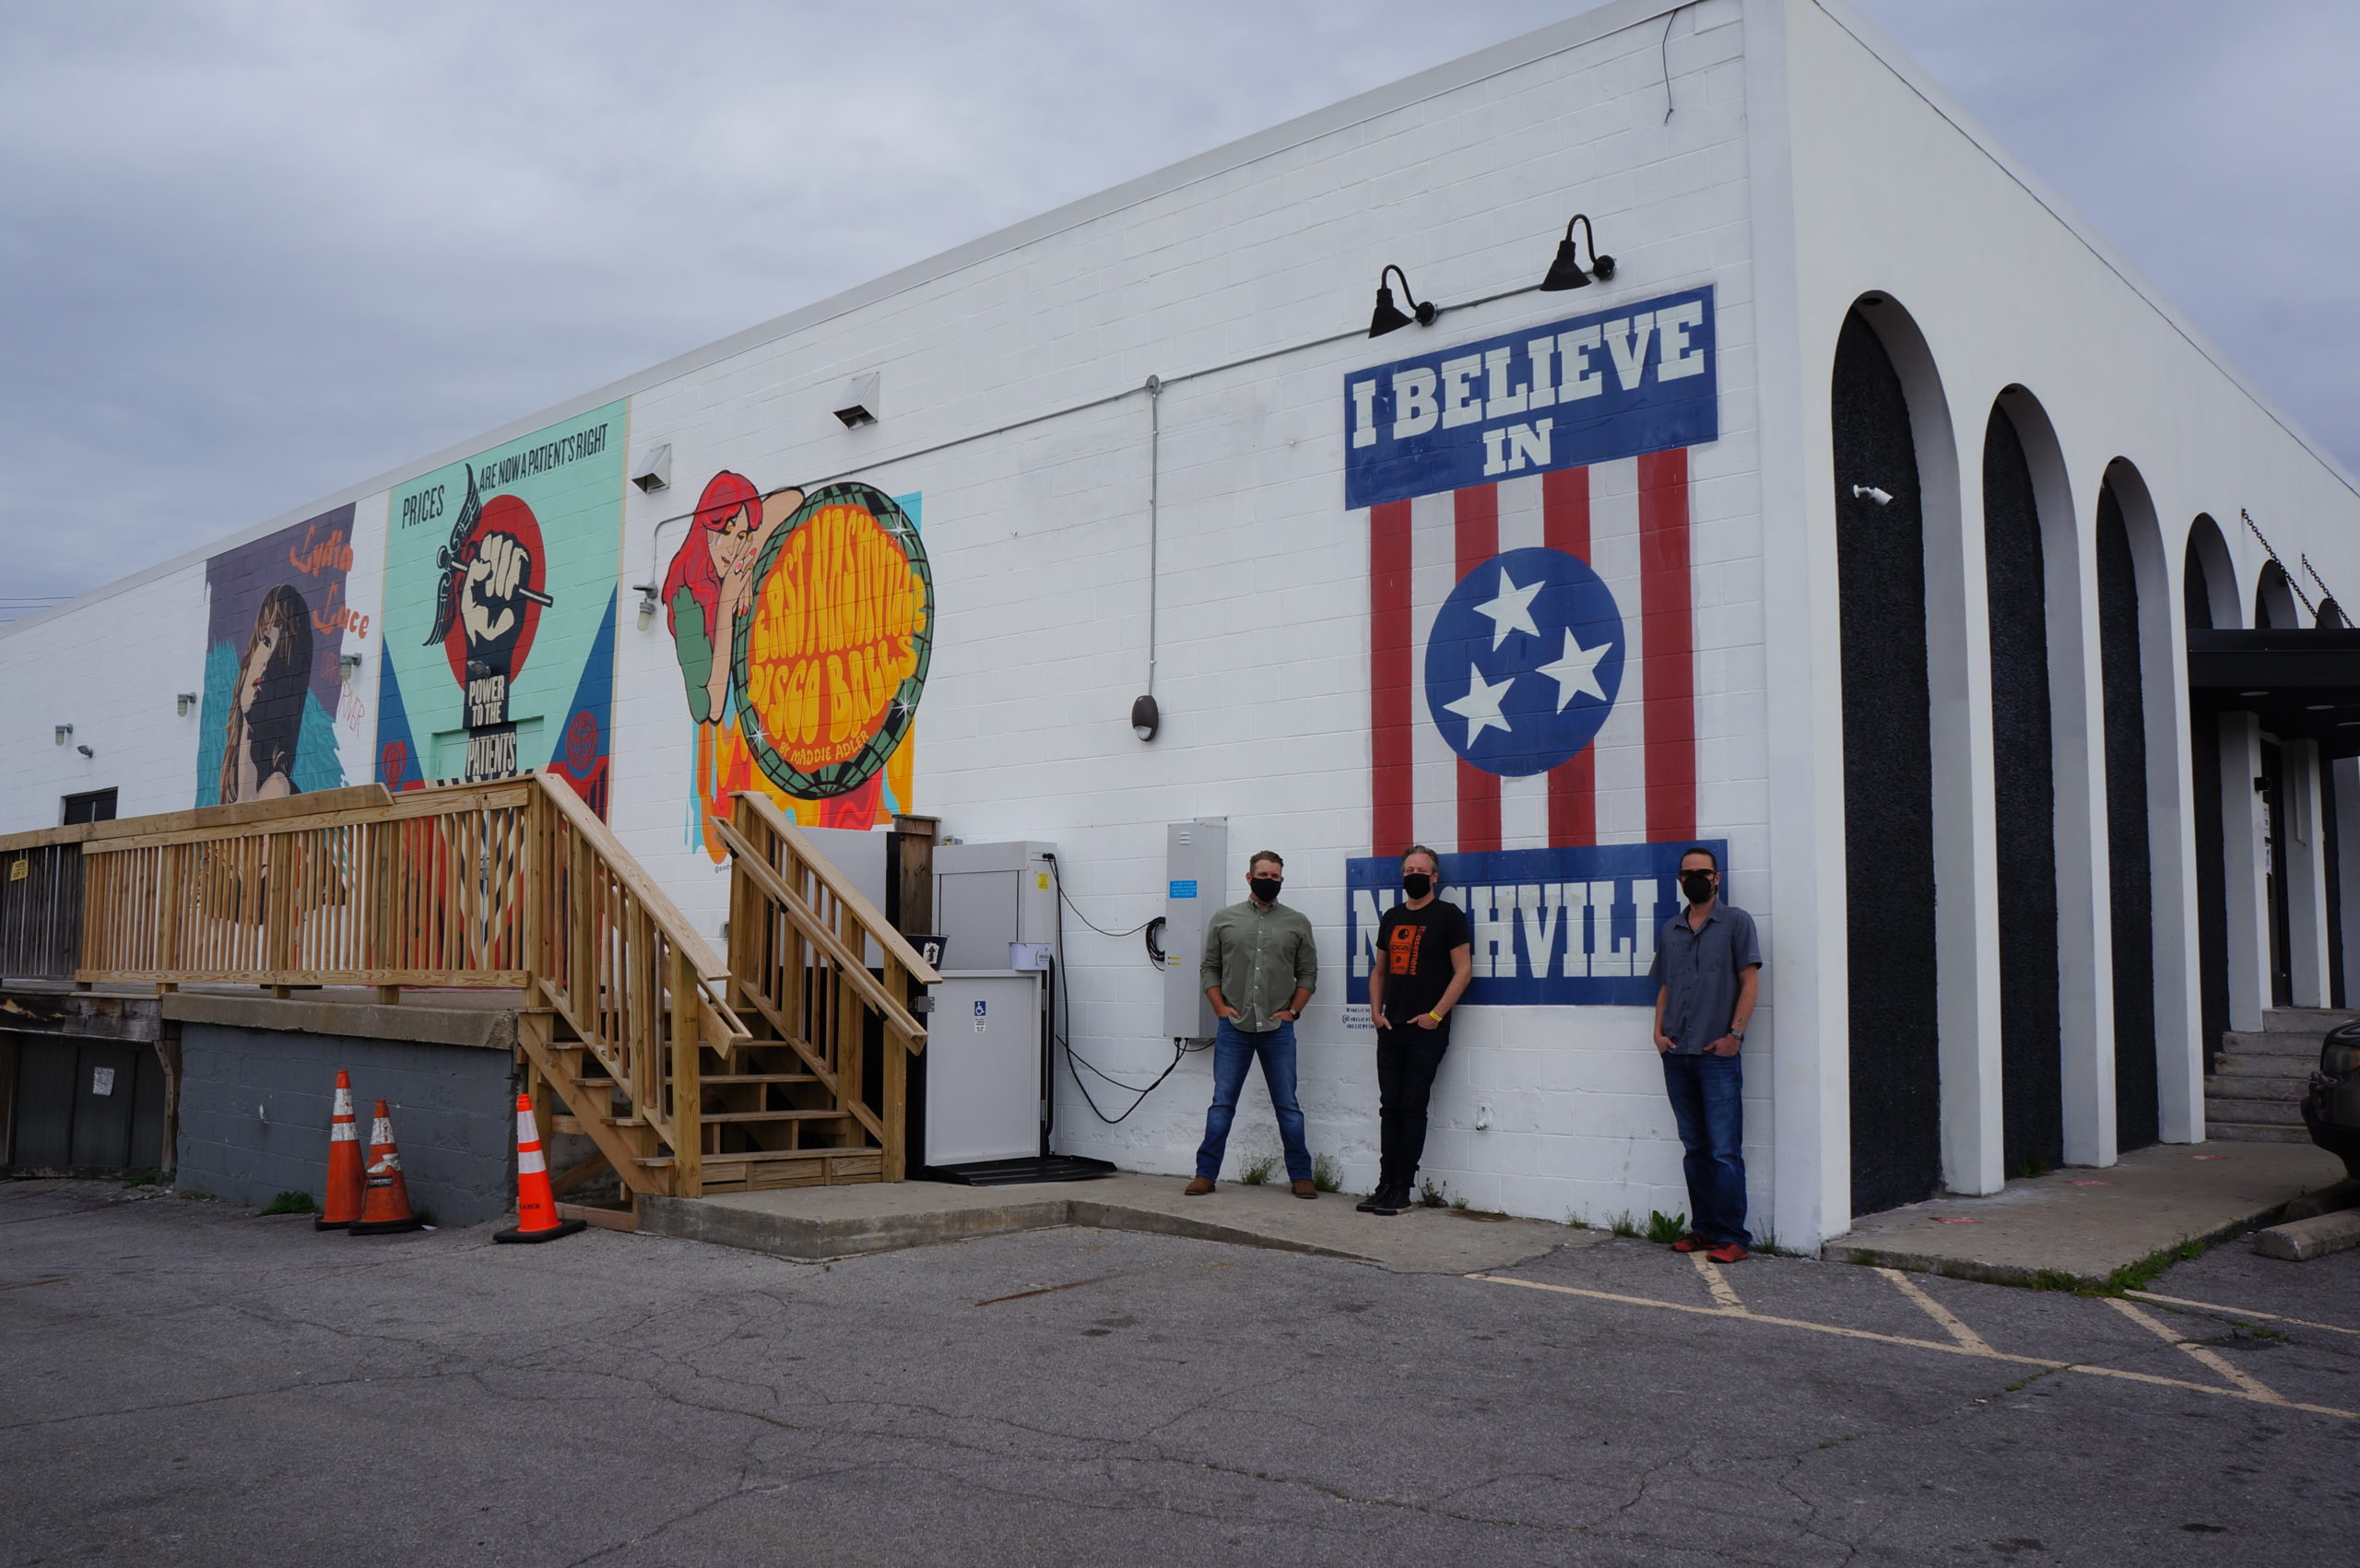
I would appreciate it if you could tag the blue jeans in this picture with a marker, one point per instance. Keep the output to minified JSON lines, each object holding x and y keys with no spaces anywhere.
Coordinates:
{"x":1233,"y":1052}
{"x":1708,"y":1102}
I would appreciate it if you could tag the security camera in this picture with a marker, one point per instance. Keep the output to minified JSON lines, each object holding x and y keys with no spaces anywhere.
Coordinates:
{"x":1881,"y":498}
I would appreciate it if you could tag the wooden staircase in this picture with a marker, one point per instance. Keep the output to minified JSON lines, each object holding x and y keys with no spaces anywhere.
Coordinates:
{"x":784,"y":1066}
{"x":2254,"y":1093}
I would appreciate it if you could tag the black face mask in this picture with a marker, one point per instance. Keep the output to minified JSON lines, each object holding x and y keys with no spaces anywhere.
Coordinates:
{"x":1417,"y":884}
{"x":1265,"y":889}
{"x":1697,"y":885}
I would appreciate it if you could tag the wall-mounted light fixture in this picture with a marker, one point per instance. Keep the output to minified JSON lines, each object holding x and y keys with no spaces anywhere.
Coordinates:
{"x":655,"y":470}
{"x":647,"y":592}
{"x":1145,"y":718}
{"x":63,"y":731}
{"x":1388,"y":317}
{"x":859,"y":405}
{"x":1869,"y":493}
{"x":347,"y":666}
{"x":86,"y":751}
{"x":1566,"y":272}
{"x":184,"y":702}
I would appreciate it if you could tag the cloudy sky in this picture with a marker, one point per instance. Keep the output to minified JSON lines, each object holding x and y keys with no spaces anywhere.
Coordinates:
{"x":255,"y":252}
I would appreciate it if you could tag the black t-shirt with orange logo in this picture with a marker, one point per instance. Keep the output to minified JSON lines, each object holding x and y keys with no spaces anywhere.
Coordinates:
{"x":1415,"y":946}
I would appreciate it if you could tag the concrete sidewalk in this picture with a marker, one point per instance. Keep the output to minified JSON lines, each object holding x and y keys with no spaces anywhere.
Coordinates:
{"x":815,"y":1222}
{"x":2086,"y":1223}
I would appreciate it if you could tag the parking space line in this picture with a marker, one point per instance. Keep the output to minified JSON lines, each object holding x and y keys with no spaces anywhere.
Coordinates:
{"x":1968,"y":1338}
{"x":2121,"y":1375}
{"x":1717,"y":1283}
{"x":2244,"y":1312}
{"x":2203,"y":1356}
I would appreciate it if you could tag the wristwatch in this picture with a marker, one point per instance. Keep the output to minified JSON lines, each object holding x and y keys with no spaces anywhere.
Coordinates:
{"x":1737,"y":1035}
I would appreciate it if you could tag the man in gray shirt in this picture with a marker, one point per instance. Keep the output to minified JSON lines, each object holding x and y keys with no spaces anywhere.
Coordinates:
{"x":1260,"y":967}
{"x":1708,"y":970}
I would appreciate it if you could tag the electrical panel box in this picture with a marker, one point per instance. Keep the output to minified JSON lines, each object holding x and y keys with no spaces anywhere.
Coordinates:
{"x":992,"y":898}
{"x":1195,"y":865}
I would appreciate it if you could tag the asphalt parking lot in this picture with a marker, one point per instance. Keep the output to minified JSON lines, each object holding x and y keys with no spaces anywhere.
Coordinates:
{"x":185,"y":1383}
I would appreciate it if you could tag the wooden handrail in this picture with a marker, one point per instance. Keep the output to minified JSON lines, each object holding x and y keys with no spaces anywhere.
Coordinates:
{"x":709,"y":964}
{"x":837,"y":883}
{"x":439,"y":802}
{"x":243,"y":814}
{"x":750,"y":862}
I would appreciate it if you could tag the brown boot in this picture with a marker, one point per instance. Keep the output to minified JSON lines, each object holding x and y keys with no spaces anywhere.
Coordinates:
{"x":1198,"y":1187}
{"x":1304,"y":1188}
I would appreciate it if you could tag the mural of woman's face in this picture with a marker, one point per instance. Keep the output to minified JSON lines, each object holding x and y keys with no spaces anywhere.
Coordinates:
{"x":733,"y":541}
{"x":268,"y":637}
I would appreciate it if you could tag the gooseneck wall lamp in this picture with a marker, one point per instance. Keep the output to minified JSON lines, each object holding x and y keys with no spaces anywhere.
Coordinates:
{"x":1388,"y":316}
{"x":1566,"y":272}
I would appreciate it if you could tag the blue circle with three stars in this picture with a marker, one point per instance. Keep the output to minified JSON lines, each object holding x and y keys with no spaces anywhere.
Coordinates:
{"x":1524,"y":661}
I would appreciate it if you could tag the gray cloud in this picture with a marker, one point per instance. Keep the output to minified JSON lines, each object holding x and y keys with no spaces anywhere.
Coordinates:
{"x":258,"y":252}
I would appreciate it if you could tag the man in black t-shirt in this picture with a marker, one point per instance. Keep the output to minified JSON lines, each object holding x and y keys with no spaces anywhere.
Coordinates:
{"x":1424,"y":957}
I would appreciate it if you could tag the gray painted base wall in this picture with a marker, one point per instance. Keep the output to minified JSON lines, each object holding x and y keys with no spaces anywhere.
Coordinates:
{"x":255,"y":1103}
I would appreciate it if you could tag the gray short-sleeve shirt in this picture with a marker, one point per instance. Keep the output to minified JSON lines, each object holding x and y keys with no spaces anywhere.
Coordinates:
{"x":1699,"y":971}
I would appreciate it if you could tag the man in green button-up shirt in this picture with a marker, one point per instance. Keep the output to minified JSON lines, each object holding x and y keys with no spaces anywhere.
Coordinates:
{"x":1260,"y":966}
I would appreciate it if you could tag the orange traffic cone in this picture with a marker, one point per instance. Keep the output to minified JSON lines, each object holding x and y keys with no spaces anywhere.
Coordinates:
{"x":343,"y":1203}
{"x":537,"y":1218}
{"x":385,"y":1202}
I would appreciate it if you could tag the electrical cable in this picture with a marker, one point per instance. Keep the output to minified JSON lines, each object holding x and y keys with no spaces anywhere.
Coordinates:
{"x":1061,"y":1006}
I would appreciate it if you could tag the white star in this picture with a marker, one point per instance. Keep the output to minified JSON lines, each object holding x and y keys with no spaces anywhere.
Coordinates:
{"x":1512,"y":611}
{"x":1576,"y":672}
{"x":1481,"y":706}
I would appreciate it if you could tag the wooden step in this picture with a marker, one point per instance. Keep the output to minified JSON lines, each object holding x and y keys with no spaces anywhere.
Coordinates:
{"x":740,"y":1117}
{"x":706,"y":1079}
{"x":761,"y":1156}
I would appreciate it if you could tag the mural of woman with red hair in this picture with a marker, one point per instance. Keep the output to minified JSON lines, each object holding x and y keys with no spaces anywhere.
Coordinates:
{"x":709,"y":585}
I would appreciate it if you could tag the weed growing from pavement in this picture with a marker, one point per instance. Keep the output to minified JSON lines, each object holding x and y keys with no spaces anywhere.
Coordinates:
{"x":1765,"y":1241}
{"x":1430,"y":1195}
{"x":1624,"y":1225}
{"x":1256,"y":1170}
{"x":1665,"y":1229}
{"x":287,"y":1203}
{"x":1459,"y":1201}
{"x":1326,"y":1174}
{"x":2123,"y":1281}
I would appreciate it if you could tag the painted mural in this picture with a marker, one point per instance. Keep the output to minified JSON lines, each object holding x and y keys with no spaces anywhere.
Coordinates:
{"x":500,"y":612}
{"x":275,"y":625}
{"x":803,"y":624}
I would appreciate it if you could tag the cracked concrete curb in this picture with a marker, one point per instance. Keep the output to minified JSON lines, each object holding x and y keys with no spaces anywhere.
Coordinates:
{"x":810,"y":1241}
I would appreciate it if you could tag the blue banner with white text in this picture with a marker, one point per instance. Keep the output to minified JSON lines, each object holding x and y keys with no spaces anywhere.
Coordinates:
{"x":1641,"y":377}
{"x":1549,"y":927}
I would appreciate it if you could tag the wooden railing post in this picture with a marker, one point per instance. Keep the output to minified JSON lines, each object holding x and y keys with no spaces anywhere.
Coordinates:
{"x":687,"y":1095}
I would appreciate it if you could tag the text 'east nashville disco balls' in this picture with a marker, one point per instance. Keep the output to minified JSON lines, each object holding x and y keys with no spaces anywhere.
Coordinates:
{"x":831,"y":653}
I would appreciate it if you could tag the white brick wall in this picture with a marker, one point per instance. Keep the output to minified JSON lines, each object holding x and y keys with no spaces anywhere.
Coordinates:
{"x":1038,"y":541}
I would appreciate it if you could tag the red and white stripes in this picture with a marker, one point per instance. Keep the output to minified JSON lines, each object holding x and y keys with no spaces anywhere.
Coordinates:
{"x":1636,"y":782}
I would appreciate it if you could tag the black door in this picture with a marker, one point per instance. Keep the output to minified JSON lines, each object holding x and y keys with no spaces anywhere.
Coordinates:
{"x":2273,"y":796}
{"x":97,"y":806}
{"x":87,"y":1105}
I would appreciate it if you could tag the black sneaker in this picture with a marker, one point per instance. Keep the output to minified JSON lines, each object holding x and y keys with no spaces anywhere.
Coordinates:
{"x":1389,"y":1203}
{"x":1369,"y":1203}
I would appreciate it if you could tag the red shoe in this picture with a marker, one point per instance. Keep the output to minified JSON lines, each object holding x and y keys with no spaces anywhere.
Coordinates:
{"x":1729,"y":1252}
{"x":1692,"y":1241}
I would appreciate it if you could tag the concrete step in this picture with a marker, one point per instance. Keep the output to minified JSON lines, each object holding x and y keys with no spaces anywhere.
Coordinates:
{"x":2266,"y":1061}
{"x":2277,"y":1113}
{"x":2319,"y":1019}
{"x":2252,"y":1132}
{"x":2289,"y":1042}
{"x":2255,"y":1086}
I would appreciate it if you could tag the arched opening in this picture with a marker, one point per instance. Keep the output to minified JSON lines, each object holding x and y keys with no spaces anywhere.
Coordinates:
{"x":1895,"y":1070}
{"x":2025,"y":804}
{"x":2131,"y":862}
{"x":2273,"y":600}
{"x":2209,"y":601}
